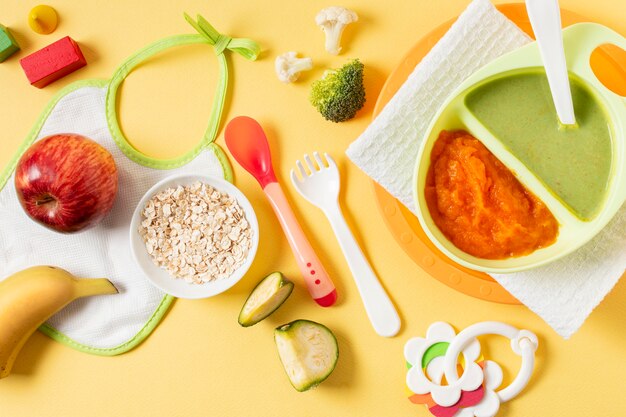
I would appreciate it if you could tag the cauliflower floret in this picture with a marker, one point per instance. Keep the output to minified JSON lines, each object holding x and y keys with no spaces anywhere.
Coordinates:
{"x":288,"y":66}
{"x":333,"y":20}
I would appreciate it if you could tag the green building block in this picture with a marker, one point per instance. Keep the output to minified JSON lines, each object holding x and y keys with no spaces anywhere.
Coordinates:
{"x":8,"y":44}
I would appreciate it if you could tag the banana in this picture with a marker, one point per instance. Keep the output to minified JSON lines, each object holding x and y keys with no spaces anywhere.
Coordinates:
{"x":29,"y":297}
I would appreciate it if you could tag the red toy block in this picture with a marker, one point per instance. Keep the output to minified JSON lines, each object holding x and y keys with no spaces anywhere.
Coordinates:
{"x":53,"y":62}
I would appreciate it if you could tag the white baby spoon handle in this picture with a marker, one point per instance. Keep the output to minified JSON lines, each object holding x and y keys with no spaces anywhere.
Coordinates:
{"x":545,"y":18}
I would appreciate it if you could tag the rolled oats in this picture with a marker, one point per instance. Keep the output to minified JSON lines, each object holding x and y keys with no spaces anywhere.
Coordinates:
{"x":196,"y":232}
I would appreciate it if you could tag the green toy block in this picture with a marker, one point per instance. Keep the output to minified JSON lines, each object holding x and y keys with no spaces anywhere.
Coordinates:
{"x":8,"y":44}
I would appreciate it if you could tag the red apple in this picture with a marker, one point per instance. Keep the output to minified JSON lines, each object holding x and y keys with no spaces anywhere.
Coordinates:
{"x":66,"y":182}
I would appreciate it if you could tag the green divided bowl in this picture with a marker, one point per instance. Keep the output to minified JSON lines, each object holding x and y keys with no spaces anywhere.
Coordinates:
{"x":580,"y":41}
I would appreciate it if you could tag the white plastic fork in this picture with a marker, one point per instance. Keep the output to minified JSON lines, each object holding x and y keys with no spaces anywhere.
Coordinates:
{"x":321,"y":188}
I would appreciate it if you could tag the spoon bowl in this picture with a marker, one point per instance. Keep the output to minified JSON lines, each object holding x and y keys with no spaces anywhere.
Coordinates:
{"x":247,"y":142}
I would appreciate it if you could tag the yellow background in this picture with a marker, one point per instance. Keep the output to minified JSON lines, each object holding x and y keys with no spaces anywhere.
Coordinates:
{"x":199,"y":361}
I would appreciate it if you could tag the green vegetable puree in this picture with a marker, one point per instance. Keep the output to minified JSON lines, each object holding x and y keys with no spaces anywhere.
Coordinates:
{"x":574,"y":162}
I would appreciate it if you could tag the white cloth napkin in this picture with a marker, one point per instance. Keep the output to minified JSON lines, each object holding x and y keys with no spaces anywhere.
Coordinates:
{"x":102,"y":322}
{"x":563,"y":293}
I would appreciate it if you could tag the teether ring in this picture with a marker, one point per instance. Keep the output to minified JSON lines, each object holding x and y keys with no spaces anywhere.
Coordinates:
{"x":473,"y":393}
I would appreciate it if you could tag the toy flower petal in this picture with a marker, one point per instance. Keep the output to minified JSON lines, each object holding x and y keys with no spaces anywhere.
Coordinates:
{"x":446,"y":395}
{"x":472,"y":351}
{"x":434,"y":370}
{"x":440,"y":332}
{"x":412,"y":349}
{"x":489,"y":405}
{"x":493,"y":375}
{"x":472,"y":377}
{"x":417,"y":381}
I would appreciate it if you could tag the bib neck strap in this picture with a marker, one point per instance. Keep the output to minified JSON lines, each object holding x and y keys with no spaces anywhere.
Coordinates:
{"x":207,"y":35}
{"x":244,"y":47}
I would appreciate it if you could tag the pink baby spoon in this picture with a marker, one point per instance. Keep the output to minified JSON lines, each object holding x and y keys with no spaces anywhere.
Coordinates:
{"x":248,"y":144}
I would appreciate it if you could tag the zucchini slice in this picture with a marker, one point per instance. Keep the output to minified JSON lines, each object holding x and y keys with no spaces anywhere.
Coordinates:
{"x":308,"y":352}
{"x":265,"y":298}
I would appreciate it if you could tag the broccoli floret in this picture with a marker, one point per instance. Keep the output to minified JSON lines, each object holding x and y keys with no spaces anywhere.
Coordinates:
{"x":341,"y":93}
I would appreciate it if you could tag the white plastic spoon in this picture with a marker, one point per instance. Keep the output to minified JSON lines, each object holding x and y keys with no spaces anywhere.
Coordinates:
{"x":545,"y":18}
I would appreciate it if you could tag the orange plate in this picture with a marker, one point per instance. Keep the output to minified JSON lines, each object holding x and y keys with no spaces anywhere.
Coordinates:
{"x":610,"y":66}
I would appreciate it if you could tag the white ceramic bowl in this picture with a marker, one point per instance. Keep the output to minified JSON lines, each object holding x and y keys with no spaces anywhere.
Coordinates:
{"x":162,"y":279}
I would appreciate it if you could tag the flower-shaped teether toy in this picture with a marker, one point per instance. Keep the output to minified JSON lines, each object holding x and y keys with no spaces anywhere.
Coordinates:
{"x":473,"y":393}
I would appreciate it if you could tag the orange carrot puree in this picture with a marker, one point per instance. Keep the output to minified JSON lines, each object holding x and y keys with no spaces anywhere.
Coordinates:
{"x":478,"y":203}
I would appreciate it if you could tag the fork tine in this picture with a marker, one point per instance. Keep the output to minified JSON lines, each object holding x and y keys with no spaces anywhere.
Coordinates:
{"x":319,"y":160}
{"x":331,"y":161}
{"x":294,"y":178}
{"x":301,"y":168}
{"x":309,"y":163}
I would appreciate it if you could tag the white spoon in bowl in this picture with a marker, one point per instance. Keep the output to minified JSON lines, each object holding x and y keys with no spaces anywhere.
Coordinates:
{"x":545,"y":18}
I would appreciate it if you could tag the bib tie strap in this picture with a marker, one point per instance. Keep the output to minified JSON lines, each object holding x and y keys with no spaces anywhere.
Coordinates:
{"x":207,"y":34}
{"x":222,"y":43}
{"x":244,"y":47}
